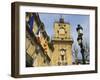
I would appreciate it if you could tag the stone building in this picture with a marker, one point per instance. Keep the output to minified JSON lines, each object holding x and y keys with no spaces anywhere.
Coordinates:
{"x":38,"y":46}
{"x":62,"y":42}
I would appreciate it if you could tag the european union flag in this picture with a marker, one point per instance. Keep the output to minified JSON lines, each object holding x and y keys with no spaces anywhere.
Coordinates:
{"x":31,"y":23}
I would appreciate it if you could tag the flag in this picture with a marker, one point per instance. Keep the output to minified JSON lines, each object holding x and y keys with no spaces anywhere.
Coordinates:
{"x":31,"y":23}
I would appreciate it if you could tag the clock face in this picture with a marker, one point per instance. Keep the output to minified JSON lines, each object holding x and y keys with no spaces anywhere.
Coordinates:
{"x":62,"y":31}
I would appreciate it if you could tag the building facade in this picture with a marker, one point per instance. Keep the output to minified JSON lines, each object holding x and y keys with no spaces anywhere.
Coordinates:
{"x":38,"y":46}
{"x":62,"y":42}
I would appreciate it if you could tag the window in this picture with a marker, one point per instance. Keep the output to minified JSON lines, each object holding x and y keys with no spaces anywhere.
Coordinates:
{"x":62,"y":58}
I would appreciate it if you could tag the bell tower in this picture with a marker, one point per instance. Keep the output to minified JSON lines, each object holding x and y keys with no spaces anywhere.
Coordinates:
{"x":62,"y":42}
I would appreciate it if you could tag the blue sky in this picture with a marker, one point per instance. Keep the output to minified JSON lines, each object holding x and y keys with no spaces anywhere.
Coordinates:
{"x":49,"y":18}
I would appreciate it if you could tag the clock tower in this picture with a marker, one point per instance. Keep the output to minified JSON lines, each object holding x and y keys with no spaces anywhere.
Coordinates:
{"x":62,"y":42}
